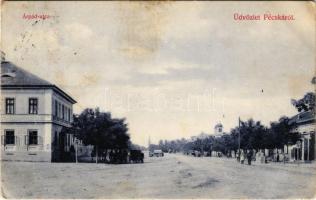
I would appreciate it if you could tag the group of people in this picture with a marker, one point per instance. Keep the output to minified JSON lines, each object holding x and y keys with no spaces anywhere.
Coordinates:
{"x":259,"y":156}
{"x":243,"y":155}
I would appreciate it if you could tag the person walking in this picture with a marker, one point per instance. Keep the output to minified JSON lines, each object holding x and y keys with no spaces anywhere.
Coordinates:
{"x":242,"y":157}
{"x":249,"y":157}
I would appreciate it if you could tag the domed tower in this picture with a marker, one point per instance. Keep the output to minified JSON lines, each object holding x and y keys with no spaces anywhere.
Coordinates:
{"x":218,"y":129}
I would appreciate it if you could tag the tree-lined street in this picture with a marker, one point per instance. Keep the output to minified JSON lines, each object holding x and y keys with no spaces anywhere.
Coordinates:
{"x":172,"y":176}
{"x":158,"y":99}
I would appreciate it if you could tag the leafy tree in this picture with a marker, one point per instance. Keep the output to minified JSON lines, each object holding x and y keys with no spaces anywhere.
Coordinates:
{"x":281,"y":133}
{"x":135,"y":146}
{"x":207,"y":143}
{"x":101,"y":130}
{"x":307,"y":103}
{"x":218,"y":144}
{"x":234,"y":138}
{"x":188,"y":146}
{"x":251,"y":134}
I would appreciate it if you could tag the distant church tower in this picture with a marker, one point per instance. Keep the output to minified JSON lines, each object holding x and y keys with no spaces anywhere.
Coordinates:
{"x":218,"y":129}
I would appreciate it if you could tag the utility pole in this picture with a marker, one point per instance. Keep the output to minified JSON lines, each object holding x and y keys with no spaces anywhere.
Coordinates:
{"x":239,"y":134}
{"x":149,"y":142}
{"x":239,"y":153}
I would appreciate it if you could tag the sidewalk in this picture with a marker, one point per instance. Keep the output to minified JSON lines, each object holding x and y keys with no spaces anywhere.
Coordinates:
{"x":279,"y":165}
{"x":293,"y":164}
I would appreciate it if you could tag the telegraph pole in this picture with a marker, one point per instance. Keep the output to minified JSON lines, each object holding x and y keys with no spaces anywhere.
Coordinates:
{"x":239,"y":134}
{"x":239,"y":153}
{"x":149,"y":142}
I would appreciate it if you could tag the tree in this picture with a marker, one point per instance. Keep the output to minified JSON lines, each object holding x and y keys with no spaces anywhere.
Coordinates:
{"x":162,"y":145}
{"x":234,"y":133}
{"x":135,"y":146}
{"x":218,"y":144}
{"x":251,"y":134}
{"x":188,"y":146}
{"x":290,"y":137}
{"x":307,"y":103}
{"x":207,"y":143}
{"x":100,"y":130}
{"x":282,"y":134}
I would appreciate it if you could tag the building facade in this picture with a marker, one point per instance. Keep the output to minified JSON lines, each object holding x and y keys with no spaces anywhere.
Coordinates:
{"x":305,"y":148}
{"x":33,"y":114}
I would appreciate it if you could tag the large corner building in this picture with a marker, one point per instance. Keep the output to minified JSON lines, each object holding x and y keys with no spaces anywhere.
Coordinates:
{"x":33,"y":113}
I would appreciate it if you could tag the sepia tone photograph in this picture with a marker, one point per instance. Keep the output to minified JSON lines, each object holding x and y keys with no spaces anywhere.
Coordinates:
{"x":158,"y":100}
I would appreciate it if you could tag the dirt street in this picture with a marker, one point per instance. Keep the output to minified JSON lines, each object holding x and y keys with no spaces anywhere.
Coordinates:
{"x":172,"y":176}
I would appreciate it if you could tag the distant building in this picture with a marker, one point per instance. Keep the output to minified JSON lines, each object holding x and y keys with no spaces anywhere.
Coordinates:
{"x":218,"y":130}
{"x":33,"y":113}
{"x":304,"y":124}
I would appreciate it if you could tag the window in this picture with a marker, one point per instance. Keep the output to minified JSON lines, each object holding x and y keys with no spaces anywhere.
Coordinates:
{"x":33,"y":138}
{"x":33,"y":105}
{"x":9,"y":105}
{"x":59,"y":110}
{"x":56,"y":108}
{"x":9,"y":137}
{"x":63,"y":112}
{"x":66,"y":113}
{"x":69,"y":114}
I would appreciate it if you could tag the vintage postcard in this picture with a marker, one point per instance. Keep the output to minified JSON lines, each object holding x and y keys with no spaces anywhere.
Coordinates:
{"x":158,"y":100}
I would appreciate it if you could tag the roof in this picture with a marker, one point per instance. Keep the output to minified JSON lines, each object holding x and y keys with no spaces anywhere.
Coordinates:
{"x":14,"y":77}
{"x":302,"y":118}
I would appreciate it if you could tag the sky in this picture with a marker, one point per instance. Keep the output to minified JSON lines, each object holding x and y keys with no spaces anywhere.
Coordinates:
{"x":172,"y":69}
